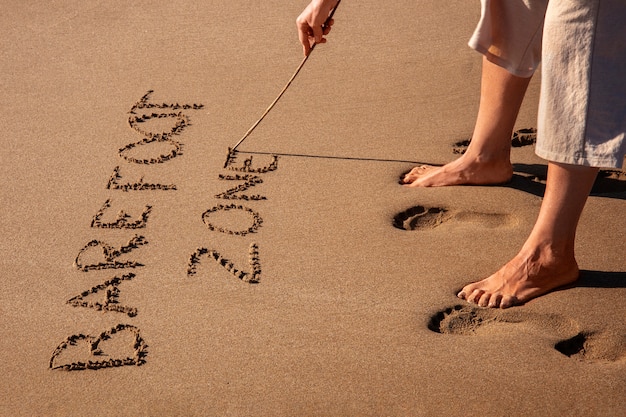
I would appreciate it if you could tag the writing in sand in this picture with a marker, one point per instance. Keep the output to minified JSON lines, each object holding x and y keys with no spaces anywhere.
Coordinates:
{"x":123,"y":344}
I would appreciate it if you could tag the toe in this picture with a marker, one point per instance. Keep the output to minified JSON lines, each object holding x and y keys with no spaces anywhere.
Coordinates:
{"x":475,"y":296}
{"x":414,"y":174}
{"x":494,"y":301}
{"x":408,"y":178}
{"x":466,"y":292}
{"x":484,"y":299}
{"x":508,"y":301}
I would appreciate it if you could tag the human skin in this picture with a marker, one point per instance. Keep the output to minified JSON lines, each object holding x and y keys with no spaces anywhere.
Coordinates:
{"x":546,"y":260}
{"x":310,"y":23}
{"x":487,"y":158}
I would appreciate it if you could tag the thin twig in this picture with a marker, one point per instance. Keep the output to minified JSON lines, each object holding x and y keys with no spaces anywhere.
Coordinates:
{"x":293,"y":77}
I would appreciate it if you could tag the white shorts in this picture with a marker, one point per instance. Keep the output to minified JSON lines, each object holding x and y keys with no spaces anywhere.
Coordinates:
{"x":582,"y":109}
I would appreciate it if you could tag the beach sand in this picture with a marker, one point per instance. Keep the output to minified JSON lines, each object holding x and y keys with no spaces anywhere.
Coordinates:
{"x":140,"y":276}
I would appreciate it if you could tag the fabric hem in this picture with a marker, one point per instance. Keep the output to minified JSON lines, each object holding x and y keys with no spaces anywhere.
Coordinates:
{"x":582,"y":161}
{"x":501,"y":62}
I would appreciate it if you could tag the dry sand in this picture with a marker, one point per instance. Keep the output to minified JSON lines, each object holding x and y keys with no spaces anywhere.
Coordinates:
{"x":311,"y":299}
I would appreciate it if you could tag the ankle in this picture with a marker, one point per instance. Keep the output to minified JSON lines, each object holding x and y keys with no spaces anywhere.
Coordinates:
{"x":496,"y":163}
{"x":485,"y":155}
{"x":549,"y":253}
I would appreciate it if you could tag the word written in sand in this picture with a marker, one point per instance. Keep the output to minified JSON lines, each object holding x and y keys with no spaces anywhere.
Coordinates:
{"x":250,"y":178}
{"x":123,"y":344}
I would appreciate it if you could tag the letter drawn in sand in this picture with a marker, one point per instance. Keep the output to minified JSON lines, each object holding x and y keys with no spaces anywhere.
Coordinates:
{"x":252,"y":277}
{"x":181,"y":121}
{"x":161,"y":145}
{"x":158,"y":140}
{"x":247,"y":164}
{"x":120,"y":346}
{"x":142,"y":103}
{"x":140,"y":185}
{"x":123,"y":220}
{"x":256,"y":219}
{"x":109,"y":254}
{"x":109,"y":301}
{"x":233,"y":193}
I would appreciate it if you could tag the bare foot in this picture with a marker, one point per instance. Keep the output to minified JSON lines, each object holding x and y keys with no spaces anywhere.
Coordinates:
{"x":527,"y":276}
{"x":464,"y":171}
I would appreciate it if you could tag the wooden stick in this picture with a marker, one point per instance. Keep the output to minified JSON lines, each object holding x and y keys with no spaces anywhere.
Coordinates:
{"x":293,"y":77}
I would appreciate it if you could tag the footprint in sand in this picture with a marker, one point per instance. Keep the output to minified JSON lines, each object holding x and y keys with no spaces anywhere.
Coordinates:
{"x":594,"y":346}
{"x":587,"y":346}
{"x":469,"y":320}
{"x":423,"y":217}
{"x":520,"y":138}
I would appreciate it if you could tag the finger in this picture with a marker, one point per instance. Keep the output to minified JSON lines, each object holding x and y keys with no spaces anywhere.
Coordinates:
{"x":304,"y":41}
{"x":303,"y":35}
{"x":306,"y":48}
{"x":318,"y":34}
{"x":328,"y":26}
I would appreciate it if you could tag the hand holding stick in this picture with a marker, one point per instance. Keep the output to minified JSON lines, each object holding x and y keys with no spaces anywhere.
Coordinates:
{"x":306,"y":33}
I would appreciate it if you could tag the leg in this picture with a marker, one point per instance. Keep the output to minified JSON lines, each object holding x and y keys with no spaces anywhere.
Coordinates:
{"x":546,"y":260}
{"x":487,"y":159}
